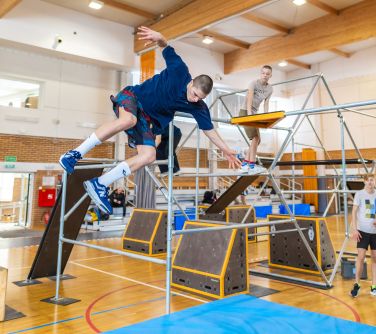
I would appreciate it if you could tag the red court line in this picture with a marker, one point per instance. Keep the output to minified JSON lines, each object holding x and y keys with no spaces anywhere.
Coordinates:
{"x":90,"y":307}
{"x":354,"y":312}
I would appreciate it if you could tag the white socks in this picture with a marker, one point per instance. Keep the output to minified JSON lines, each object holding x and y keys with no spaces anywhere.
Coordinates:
{"x":88,"y":144}
{"x":121,"y":170}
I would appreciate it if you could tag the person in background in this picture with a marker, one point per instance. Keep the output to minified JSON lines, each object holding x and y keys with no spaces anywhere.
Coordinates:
{"x":258,"y":91}
{"x":364,"y":231}
{"x":118,"y":200}
{"x":162,"y":150}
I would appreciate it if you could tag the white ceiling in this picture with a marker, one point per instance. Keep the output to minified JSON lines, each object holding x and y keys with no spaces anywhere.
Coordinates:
{"x":282,"y":12}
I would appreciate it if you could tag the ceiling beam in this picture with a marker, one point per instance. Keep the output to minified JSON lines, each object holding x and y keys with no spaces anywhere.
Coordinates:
{"x":196,"y":16}
{"x":265,"y":23}
{"x":354,"y":23}
{"x":225,"y":39}
{"x":341,"y":53}
{"x":323,"y":6}
{"x":7,"y":5}
{"x":130,"y":9}
{"x":299,"y":63}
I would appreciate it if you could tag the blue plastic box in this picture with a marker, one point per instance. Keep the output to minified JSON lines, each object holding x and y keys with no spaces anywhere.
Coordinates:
{"x":300,"y":209}
{"x":180,"y":219}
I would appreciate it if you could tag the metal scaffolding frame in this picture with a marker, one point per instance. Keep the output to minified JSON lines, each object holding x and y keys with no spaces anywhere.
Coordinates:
{"x":327,"y":282}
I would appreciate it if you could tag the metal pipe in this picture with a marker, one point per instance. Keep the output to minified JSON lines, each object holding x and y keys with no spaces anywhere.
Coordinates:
{"x":316,"y":177}
{"x":302,"y":237}
{"x":293,"y":173}
{"x":330,"y":191}
{"x":277,"y":232}
{"x":344,"y":180}
{"x":276,"y":84}
{"x":230,"y":227}
{"x":74,"y":207}
{"x":334,"y":107}
{"x":185,"y":140}
{"x":214,"y":119}
{"x":237,"y":126}
{"x":338,"y":261}
{"x":355,"y":146}
{"x":345,"y":125}
{"x":114,"y":251}
{"x":215,"y":174}
{"x":61,"y":235}
{"x":159,"y":162}
{"x":197,"y":170}
{"x":93,"y":166}
{"x":161,"y":186}
{"x":100,"y":159}
{"x":300,"y":280}
{"x":169,"y":215}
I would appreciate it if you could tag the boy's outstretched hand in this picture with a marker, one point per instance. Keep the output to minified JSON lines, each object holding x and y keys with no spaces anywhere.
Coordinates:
{"x":151,"y":36}
{"x":233,"y":161}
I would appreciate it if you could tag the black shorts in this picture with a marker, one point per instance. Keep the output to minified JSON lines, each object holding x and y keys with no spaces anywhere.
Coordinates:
{"x":141,"y":133}
{"x":368,"y":239}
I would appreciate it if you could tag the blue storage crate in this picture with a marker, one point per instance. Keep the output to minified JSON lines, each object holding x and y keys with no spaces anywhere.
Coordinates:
{"x":263,"y":210}
{"x":179,"y":218}
{"x":300,"y":209}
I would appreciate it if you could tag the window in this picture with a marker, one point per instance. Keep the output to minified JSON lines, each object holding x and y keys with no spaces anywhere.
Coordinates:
{"x":19,"y":93}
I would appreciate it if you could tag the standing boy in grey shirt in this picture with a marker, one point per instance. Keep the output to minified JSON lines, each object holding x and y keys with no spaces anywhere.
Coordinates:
{"x":258,"y":91}
{"x":364,"y":230}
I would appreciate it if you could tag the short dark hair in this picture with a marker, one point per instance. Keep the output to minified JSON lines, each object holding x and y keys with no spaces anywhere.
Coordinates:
{"x":204,"y":83}
{"x":268,"y":67}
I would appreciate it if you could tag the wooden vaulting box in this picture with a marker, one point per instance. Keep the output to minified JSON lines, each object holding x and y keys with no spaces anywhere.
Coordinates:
{"x":287,"y":250}
{"x":213,"y":264}
{"x":146,"y":232}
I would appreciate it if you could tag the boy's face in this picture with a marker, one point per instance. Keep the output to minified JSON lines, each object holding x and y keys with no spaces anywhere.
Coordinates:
{"x":370,"y":183}
{"x":194,"y":94}
{"x":265,"y":75}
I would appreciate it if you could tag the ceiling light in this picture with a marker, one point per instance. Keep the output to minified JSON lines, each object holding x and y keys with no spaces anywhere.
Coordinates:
{"x":299,"y":2}
{"x":95,"y":4}
{"x":207,"y":40}
{"x":283,"y":63}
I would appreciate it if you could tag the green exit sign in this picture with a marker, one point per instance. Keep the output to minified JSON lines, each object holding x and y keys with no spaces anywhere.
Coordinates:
{"x":10,"y":158}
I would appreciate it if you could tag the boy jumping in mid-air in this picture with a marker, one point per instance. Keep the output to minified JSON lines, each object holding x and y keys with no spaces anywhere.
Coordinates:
{"x":364,"y":230}
{"x":144,"y":111}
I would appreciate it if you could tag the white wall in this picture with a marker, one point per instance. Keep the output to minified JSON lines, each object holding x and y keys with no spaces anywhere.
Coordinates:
{"x":72,"y":94}
{"x":36,"y":23}
{"x":350,"y":79}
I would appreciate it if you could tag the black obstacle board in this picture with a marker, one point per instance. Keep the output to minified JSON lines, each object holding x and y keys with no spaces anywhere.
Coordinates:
{"x":45,"y":261}
{"x":231,"y":193}
{"x":268,"y":161}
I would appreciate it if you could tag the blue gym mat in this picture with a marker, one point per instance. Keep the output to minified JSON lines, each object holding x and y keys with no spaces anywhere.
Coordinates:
{"x":245,"y":314}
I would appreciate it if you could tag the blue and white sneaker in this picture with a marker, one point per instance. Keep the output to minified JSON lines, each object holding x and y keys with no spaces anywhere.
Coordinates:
{"x":99,"y":194}
{"x":244,"y":168}
{"x":256,"y":169}
{"x":69,"y":160}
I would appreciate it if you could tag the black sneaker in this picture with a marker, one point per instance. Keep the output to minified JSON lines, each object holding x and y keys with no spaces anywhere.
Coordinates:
{"x":355,"y":290}
{"x":373,"y":290}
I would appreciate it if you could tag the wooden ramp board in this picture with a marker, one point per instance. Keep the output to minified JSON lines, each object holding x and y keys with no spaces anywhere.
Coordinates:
{"x":231,"y":193}
{"x":45,"y":261}
{"x":265,"y":120}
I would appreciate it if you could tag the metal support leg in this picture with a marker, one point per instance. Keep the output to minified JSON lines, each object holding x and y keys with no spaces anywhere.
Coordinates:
{"x":169,"y":216}
{"x":57,"y":299}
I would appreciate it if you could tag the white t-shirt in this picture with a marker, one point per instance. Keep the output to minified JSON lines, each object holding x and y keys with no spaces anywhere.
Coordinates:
{"x":366,"y":214}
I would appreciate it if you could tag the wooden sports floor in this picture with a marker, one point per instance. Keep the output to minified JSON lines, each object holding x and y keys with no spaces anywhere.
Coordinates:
{"x":116,"y":291}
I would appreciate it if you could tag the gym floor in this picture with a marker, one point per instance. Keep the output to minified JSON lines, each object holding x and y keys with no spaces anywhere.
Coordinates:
{"x":116,"y":291}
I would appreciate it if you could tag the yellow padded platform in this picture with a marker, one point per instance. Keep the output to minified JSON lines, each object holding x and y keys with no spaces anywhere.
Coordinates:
{"x":265,"y":120}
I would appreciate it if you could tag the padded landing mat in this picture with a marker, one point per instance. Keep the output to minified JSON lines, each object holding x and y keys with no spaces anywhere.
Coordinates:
{"x":245,"y":314}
